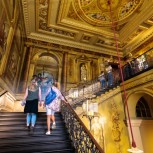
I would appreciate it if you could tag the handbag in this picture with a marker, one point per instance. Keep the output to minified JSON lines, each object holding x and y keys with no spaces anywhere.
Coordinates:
{"x":50,"y":97}
{"x":55,"y":106}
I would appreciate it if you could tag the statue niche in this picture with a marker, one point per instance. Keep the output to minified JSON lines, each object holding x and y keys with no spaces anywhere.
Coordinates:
{"x":83,"y":72}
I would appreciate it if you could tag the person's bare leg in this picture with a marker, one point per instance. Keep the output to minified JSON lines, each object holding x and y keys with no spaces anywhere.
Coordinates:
{"x":53,"y":120}
{"x":48,"y":122}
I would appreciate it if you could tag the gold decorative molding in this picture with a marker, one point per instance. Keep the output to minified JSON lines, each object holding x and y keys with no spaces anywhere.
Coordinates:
{"x":150,"y":87}
{"x":78,"y":45}
{"x":139,"y":80}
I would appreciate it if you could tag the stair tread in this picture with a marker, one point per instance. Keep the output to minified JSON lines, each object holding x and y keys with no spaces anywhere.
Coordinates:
{"x":11,"y":134}
{"x":32,"y":142}
{"x":15,"y":137}
{"x":23,"y":127}
{"x":23,"y":122}
{"x":15,"y":140}
{"x":59,"y":151}
{"x":37,"y":147}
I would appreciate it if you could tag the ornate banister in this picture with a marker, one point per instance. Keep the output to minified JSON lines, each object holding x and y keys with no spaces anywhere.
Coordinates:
{"x":81,"y":137}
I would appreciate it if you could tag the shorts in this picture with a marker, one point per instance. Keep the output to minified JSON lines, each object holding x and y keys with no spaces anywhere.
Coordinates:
{"x":49,"y":111}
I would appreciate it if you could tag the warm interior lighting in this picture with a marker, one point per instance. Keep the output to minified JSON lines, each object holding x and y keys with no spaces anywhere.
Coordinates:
{"x":90,"y":108}
{"x":135,"y":150}
{"x":102,"y":121}
{"x":133,"y":144}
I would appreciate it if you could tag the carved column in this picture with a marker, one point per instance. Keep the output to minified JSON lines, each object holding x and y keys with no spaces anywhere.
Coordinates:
{"x":89,"y":71}
{"x":59,"y":74}
{"x":65,"y":63}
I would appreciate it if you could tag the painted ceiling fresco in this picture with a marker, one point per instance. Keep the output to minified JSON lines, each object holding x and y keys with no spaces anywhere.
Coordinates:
{"x":90,"y":24}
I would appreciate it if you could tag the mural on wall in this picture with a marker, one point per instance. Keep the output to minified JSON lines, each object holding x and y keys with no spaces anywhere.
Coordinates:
{"x":4,"y":29}
{"x":12,"y":64}
{"x":5,"y":24}
{"x":114,"y":129}
{"x":98,"y":131}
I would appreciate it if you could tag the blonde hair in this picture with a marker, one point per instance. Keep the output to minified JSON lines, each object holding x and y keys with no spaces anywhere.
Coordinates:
{"x":33,"y":85}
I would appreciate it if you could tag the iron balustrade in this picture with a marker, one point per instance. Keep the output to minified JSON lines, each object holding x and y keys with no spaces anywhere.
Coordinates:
{"x":81,"y":137}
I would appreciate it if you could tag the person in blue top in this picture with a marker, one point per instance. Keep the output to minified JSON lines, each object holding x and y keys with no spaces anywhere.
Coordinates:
{"x":102,"y":80}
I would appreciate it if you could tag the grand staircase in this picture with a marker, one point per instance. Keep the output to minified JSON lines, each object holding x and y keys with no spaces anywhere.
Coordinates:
{"x":16,"y":138}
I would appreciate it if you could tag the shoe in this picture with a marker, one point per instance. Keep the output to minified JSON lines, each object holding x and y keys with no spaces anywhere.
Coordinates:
{"x":48,"y":133}
{"x":53,"y":126}
{"x":28,"y":127}
{"x":32,"y":128}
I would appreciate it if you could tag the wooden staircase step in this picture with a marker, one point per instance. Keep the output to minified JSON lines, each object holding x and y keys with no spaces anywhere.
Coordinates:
{"x":23,"y":127}
{"x":34,"y":147}
{"x":24,"y":139}
{"x":16,"y":138}
{"x":27,"y":133}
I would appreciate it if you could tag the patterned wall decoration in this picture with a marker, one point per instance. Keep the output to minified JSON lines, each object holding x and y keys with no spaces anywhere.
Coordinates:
{"x":71,"y":14}
{"x":86,"y":38}
{"x":43,"y":21}
{"x":115,"y":131}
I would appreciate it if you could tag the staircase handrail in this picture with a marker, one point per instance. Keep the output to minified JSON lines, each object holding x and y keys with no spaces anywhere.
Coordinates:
{"x":82,"y":139}
{"x":82,"y":85}
{"x":3,"y":93}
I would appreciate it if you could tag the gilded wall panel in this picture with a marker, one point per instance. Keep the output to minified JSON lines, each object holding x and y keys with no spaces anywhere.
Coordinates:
{"x":19,"y":32}
{"x":71,"y":69}
{"x":12,"y":64}
{"x":115,"y":132}
{"x":81,"y":68}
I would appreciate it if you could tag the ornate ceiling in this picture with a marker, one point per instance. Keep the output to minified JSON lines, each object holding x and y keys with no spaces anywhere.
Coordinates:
{"x":87,"y":24}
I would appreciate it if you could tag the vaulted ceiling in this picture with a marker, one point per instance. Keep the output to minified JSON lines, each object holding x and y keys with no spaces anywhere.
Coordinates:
{"x":88,"y":24}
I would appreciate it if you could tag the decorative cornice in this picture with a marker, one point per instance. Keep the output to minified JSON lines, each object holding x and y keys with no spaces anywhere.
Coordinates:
{"x":141,"y":39}
{"x":73,"y":44}
{"x":26,"y":16}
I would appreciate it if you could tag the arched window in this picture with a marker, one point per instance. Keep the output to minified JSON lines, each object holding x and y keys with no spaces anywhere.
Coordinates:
{"x":142,"y":108}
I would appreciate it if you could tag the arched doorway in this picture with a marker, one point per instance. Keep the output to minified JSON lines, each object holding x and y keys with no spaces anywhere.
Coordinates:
{"x":46,"y":63}
{"x":141,"y":110}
